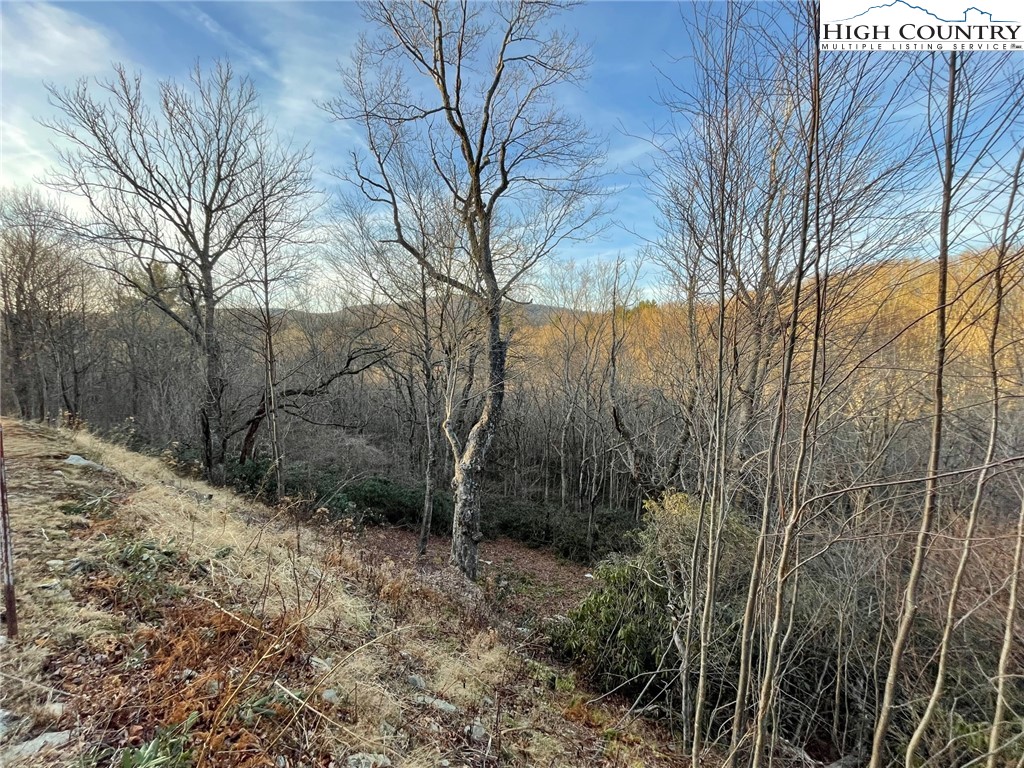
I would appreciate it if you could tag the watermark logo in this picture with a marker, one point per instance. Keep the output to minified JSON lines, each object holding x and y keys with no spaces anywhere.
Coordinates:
{"x":911,"y":25}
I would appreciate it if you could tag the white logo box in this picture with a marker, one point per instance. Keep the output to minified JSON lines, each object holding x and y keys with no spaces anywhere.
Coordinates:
{"x":938,"y":25}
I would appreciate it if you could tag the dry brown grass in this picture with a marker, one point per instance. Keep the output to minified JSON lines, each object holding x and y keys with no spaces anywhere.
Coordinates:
{"x":273,"y":642}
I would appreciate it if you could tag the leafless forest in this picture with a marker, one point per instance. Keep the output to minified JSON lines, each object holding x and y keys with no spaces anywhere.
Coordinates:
{"x":792,"y":436}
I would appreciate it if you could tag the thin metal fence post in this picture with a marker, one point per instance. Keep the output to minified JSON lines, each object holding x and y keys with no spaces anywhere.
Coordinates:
{"x":7,"y":565}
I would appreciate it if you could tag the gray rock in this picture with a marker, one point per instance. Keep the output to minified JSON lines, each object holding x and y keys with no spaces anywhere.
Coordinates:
{"x":7,"y":721}
{"x":417,"y":682}
{"x":331,"y":697}
{"x":77,"y":461}
{"x":196,"y":496}
{"x":476,"y":731}
{"x":368,"y":760}
{"x":321,"y":665}
{"x":439,"y":704}
{"x":36,"y":745}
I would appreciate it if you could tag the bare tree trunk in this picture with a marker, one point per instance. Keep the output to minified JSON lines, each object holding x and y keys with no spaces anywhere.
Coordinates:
{"x":811,"y":195}
{"x":454,"y":159}
{"x":909,"y":608}
{"x":211,"y":415}
{"x":7,"y":553}
{"x":466,"y":534}
{"x":1011,"y":608}
{"x":972,"y":519}
{"x":1003,"y":672}
{"x":176,"y":235}
{"x":563,"y":458}
{"x":275,"y":438}
{"x":428,"y":483}
{"x":429,"y":417}
{"x":469,"y":461}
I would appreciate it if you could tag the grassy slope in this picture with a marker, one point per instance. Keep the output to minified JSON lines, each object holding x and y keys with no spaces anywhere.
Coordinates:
{"x":157,"y":621}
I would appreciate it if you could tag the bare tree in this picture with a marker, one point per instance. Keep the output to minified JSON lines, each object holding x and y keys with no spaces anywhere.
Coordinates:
{"x":965,"y":132}
{"x":279,"y":258}
{"x":466,"y":95}
{"x":183,"y":184}
{"x":999,"y":713}
{"x":576,"y":355}
{"x":423,"y":309}
{"x":46,"y":293}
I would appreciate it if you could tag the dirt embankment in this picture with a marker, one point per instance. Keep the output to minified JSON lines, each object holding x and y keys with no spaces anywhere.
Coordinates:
{"x":169,"y":623}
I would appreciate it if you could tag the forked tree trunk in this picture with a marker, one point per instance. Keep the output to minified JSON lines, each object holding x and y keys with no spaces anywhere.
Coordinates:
{"x":469,"y":461}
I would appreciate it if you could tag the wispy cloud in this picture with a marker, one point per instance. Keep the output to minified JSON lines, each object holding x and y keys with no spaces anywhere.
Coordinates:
{"x":42,"y":42}
{"x":627,"y":153}
{"x":307,"y":44}
{"x":235,"y":47}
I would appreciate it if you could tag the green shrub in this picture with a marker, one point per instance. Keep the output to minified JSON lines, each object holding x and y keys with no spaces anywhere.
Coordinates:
{"x":952,"y":740}
{"x":384,"y":501}
{"x":168,"y":749}
{"x":145,"y":571}
{"x":255,"y":477}
{"x":620,"y":637}
{"x":618,"y":634}
{"x":374,"y":501}
{"x":537,"y":524}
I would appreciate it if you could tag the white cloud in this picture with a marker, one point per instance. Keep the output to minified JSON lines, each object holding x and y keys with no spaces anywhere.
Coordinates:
{"x":41,"y":43}
{"x":25,"y":154}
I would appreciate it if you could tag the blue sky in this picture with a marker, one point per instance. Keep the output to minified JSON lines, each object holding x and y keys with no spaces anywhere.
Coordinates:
{"x":292,"y":51}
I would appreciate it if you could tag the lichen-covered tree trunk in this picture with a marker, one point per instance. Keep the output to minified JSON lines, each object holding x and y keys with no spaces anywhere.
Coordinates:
{"x":466,"y":534}
{"x":469,"y":461}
